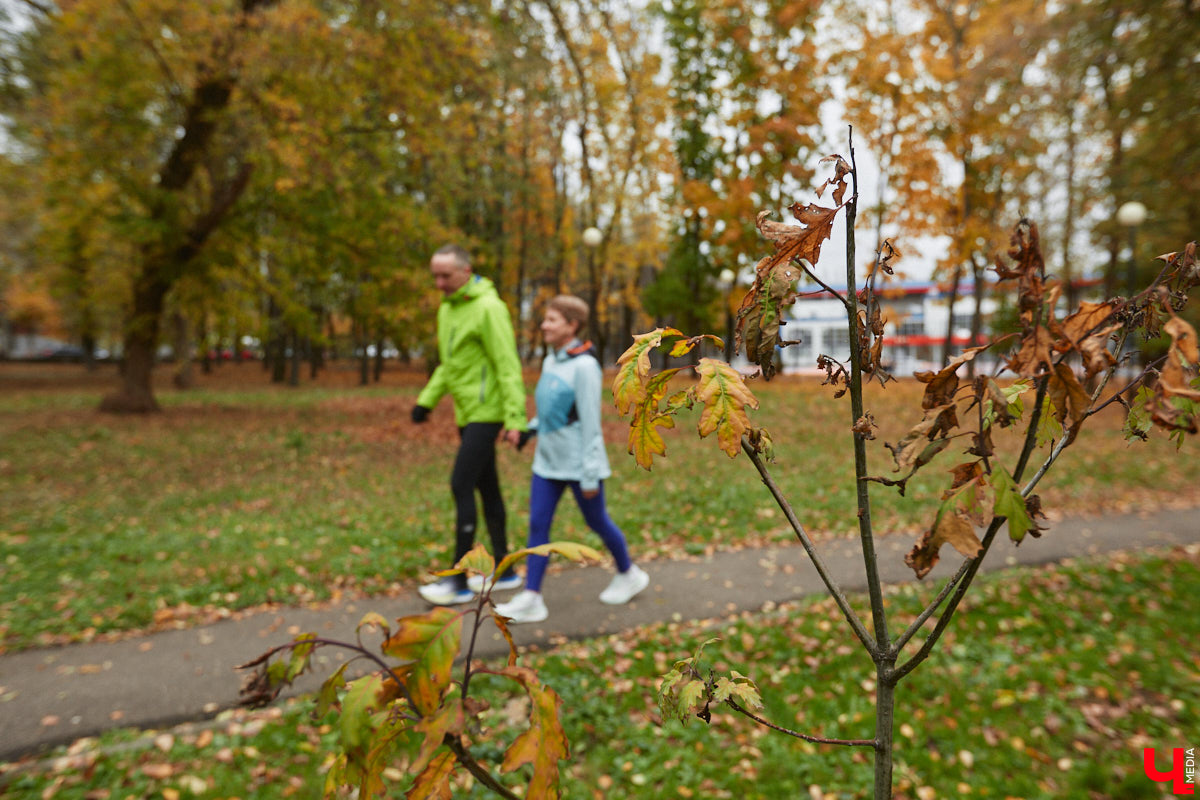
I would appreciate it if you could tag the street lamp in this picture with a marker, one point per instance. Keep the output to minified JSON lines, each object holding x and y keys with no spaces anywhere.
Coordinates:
{"x":592,"y":237}
{"x":725,"y":282}
{"x":1131,"y":215}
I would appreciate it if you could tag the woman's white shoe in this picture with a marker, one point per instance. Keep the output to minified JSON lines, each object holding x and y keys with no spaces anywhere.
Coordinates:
{"x":525,"y":607}
{"x":624,"y":586}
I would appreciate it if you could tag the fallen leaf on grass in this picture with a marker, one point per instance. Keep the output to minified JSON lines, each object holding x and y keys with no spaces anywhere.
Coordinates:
{"x":158,"y":772}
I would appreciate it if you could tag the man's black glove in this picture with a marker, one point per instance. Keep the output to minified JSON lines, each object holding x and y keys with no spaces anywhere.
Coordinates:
{"x":525,"y":437}
{"x":420,"y":414}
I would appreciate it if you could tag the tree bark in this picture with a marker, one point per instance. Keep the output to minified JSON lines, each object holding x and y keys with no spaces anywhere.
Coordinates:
{"x":135,"y":393}
{"x":183,"y":238}
{"x":184,"y":377}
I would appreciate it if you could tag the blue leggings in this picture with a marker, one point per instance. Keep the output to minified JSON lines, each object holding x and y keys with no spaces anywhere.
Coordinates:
{"x":544,"y":495}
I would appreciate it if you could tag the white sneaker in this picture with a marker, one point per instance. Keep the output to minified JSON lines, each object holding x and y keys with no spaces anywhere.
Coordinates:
{"x":525,"y":607}
{"x":624,"y":586}
{"x":445,"y":593}
{"x":511,"y":581}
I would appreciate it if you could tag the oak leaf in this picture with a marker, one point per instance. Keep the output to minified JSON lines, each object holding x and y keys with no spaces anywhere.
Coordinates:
{"x":725,"y":397}
{"x":431,"y":642}
{"x":1034,"y":354}
{"x":950,"y":527}
{"x":941,"y":385}
{"x":477,"y":560}
{"x":1011,"y":505}
{"x":841,"y":169}
{"x":1070,"y":400}
{"x":1183,"y":356}
{"x":645,"y":441}
{"x":629,"y":385}
{"x":912,"y":452}
{"x":544,"y":744}
{"x":434,"y":727}
{"x":760,"y":315}
{"x":434,"y":781}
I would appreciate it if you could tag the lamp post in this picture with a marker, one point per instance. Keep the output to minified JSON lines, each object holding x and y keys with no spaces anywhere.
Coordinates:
{"x":1131,"y":215}
{"x":592,"y":238}
{"x":725,"y":282}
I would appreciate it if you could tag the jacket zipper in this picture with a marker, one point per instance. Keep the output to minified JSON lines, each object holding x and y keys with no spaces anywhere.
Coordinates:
{"x":482,"y":382}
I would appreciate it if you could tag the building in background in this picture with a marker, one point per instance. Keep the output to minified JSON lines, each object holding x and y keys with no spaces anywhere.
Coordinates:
{"x":916,"y":320}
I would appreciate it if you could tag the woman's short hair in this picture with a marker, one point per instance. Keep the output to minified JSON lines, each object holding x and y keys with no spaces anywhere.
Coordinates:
{"x":572,"y":308}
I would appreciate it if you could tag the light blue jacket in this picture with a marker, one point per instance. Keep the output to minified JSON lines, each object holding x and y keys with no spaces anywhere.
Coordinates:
{"x":570,"y":443}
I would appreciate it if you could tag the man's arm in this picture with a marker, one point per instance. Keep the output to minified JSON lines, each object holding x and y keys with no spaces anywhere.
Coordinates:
{"x":500,"y":346}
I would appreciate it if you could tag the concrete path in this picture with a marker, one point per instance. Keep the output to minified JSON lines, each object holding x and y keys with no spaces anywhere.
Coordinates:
{"x":54,"y":696}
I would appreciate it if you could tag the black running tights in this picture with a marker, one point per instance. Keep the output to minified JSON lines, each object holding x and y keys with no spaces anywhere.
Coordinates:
{"x":475,"y":470}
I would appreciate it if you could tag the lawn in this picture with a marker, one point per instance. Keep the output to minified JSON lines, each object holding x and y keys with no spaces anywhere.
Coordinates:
{"x":242,"y":493}
{"x":1049,"y":684}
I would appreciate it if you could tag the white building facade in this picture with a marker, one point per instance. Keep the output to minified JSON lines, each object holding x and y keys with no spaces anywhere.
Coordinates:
{"x":916,"y":319}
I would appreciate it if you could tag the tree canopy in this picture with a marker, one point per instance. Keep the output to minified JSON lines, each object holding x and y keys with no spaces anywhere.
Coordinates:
{"x":282,"y":168}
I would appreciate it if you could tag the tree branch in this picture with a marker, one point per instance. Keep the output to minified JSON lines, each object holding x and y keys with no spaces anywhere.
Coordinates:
{"x":971,"y":567}
{"x":928,"y":612}
{"x":814,"y":739}
{"x":176,"y":89}
{"x":480,"y":773}
{"x":862,"y":487}
{"x":822,"y":569}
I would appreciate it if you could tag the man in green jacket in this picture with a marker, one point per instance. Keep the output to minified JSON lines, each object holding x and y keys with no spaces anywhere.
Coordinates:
{"x":480,"y":369}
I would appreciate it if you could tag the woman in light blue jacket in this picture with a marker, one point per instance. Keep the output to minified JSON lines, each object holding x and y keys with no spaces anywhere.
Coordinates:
{"x":570,"y":454}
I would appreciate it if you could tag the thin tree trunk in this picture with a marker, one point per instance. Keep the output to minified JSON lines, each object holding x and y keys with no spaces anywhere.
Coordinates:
{"x":183,"y":378}
{"x":294,"y":360}
{"x":949,"y":344}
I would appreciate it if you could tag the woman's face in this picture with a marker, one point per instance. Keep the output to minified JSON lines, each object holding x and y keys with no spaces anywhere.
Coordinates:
{"x":557,"y":330}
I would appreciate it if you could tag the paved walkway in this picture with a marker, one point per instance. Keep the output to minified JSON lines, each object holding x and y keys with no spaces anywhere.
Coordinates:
{"x":54,"y":696}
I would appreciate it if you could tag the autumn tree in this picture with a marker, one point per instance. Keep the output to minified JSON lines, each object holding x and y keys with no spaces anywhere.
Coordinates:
{"x":1035,"y":391}
{"x":415,"y":701}
{"x":745,"y":101}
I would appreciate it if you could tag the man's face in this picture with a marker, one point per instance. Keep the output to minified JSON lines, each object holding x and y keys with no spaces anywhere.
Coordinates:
{"x":448,"y":274}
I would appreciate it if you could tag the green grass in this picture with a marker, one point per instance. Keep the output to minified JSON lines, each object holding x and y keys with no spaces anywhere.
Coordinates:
{"x":1049,"y":684}
{"x":241,"y":494}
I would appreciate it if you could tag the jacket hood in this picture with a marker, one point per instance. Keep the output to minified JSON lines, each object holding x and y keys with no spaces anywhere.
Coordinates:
{"x":476,"y":286}
{"x":575,"y":349}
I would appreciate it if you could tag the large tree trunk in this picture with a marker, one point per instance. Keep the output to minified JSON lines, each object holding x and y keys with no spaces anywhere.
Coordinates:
{"x":183,"y":237}
{"x":135,"y":392}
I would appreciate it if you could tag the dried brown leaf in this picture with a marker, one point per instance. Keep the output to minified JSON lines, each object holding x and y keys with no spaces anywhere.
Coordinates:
{"x":952,"y":528}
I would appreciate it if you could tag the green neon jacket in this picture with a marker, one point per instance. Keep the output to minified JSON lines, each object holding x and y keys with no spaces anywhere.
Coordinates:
{"x":479,"y":365}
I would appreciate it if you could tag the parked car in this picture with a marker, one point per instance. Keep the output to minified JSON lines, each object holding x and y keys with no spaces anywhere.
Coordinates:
{"x":66,"y":352}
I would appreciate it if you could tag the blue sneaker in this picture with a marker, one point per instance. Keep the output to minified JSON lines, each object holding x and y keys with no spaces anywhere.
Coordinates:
{"x":445,"y":593}
{"x":509,"y":582}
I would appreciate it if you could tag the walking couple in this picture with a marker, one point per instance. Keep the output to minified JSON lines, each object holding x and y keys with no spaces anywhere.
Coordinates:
{"x":481,"y":371}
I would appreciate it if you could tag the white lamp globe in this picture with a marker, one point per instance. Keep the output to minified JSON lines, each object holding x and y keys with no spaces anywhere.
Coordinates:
{"x":1131,"y":214}
{"x":592,"y":237}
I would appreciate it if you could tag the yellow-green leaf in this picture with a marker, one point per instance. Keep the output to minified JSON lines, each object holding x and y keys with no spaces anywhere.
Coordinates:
{"x":634,"y":365}
{"x":329,"y":690}
{"x":478,"y":560}
{"x":300,"y":653}
{"x":544,"y":744}
{"x":434,"y":782}
{"x":431,"y":641}
{"x":572,"y":550}
{"x":447,"y":719}
{"x":1010,"y":505}
{"x":725,"y":398}
{"x":376,"y":619}
{"x":645,"y":441}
